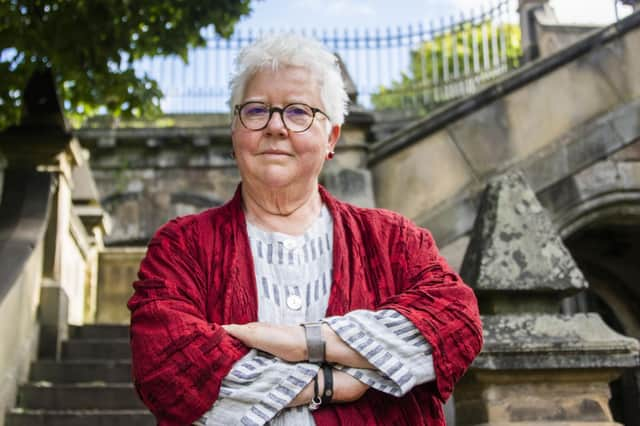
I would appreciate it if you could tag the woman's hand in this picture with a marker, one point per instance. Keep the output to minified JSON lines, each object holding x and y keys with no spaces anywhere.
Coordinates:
{"x":287,"y":342}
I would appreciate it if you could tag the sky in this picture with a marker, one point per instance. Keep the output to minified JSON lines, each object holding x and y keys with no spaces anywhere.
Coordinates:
{"x":321,"y":14}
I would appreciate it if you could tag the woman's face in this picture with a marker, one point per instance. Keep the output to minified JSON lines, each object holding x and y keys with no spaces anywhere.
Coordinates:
{"x":275,"y":156}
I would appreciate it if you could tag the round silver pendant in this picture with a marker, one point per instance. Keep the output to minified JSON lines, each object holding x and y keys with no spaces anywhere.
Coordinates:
{"x":294,"y":302}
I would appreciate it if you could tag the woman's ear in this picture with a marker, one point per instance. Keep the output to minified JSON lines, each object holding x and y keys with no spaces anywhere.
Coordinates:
{"x":334,"y":135}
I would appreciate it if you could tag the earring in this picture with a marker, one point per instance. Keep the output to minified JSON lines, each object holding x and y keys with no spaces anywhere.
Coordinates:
{"x":330,"y":155}
{"x":232,"y":154}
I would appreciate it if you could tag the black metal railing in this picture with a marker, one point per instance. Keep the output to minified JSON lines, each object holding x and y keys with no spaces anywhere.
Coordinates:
{"x":416,"y":66}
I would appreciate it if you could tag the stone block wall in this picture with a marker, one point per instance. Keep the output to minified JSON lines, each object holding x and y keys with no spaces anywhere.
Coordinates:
{"x":118,"y":270}
{"x":19,"y":333}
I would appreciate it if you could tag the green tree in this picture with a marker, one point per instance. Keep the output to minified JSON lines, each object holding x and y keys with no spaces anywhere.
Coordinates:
{"x":92,"y":44}
{"x":418,"y":87}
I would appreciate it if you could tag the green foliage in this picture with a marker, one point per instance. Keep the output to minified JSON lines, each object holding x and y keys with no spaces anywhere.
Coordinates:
{"x":417,"y":85}
{"x":91,"y":45}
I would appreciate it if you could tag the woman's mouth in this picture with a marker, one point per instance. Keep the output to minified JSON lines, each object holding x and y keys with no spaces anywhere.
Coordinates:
{"x":275,"y":152}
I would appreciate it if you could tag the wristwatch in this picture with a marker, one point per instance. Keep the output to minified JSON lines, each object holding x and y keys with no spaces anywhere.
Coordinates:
{"x":315,"y":343}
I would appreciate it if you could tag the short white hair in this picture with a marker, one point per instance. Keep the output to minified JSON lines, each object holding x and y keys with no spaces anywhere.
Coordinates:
{"x":287,"y":49}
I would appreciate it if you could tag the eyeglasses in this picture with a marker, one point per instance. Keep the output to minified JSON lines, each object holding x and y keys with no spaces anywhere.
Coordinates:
{"x":296,"y":117}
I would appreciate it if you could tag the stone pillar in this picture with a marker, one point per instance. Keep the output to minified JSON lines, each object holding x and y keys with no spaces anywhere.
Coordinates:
{"x":117,"y":269}
{"x":635,"y":4}
{"x":350,"y":184}
{"x":528,"y":29}
{"x":537,"y":366}
{"x":59,"y":222}
{"x":54,"y":304}
{"x":96,"y":223}
{"x":347,"y":175}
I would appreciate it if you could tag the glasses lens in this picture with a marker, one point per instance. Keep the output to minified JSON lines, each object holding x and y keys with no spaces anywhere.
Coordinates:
{"x":298,"y":117}
{"x":254,"y":115}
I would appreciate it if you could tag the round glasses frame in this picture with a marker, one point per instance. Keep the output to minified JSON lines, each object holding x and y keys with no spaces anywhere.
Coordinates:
{"x":238,"y":110}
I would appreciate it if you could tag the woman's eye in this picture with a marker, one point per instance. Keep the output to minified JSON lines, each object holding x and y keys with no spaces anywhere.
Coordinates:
{"x":255,"y":110}
{"x":295,"y":110}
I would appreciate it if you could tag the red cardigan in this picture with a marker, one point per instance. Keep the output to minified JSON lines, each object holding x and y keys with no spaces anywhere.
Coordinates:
{"x":198,"y":273}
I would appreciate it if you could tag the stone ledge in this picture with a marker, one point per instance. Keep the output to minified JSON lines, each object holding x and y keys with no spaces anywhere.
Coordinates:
{"x":537,"y":341}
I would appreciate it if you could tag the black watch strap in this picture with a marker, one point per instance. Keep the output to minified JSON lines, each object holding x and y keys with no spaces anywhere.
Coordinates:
{"x":327,"y":393}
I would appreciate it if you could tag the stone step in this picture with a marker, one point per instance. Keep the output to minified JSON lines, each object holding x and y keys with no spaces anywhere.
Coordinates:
{"x":93,"y":349}
{"x":99,"y":331}
{"x":90,"y":396}
{"x":21,"y":417}
{"x":81,"y":371}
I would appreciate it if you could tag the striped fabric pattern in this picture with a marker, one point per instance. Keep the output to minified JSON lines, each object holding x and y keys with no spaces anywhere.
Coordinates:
{"x":292,"y":269}
{"x":256,"y":389}
{"x":392,"y":344}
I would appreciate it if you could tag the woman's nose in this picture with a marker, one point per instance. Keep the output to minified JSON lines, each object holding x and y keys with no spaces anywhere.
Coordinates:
{"x":275,"y":124}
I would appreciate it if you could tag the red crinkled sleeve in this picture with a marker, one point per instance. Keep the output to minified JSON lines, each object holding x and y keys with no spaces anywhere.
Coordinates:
{"x":438,"y":303}
{"x":179,"y":358}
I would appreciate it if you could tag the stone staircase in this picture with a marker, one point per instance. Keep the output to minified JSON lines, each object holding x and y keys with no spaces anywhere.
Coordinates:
{"x":91,"y":385}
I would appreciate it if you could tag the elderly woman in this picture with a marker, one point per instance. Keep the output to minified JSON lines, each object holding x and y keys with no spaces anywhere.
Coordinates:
{"x":285,"y":305}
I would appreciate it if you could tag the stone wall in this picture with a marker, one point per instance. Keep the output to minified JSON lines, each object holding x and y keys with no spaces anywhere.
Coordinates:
{"x":72,"y":258}
{"x":555,"y":37}
{"x":118,"y":269}
{"x":19,"y":334}
{"x":141,"y":200}
{"x":551,"y":119}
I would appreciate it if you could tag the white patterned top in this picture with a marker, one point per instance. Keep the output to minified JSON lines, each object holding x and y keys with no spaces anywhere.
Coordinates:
{"x":293,"y":276}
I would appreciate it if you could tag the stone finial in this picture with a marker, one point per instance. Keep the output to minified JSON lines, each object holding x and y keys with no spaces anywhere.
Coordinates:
{"x":514,"y":246}
{"x":536,"y":366}
{"x":42,"y":105}
{"x":530,"y":12}
{"x":523,"y":3}
{"x":349,"y":85}
{"x":43,"y":132}
{"x":635,"y":4}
